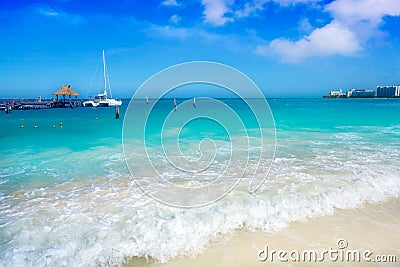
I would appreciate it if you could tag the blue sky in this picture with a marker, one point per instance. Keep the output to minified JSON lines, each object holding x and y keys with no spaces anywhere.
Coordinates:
{"x":288,"y":47}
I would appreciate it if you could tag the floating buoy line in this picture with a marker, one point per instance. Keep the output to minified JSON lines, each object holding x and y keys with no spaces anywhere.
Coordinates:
{"x":35,"y":126}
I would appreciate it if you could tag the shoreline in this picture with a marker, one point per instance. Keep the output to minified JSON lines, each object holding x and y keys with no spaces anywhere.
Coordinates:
{"x":373,"y":227}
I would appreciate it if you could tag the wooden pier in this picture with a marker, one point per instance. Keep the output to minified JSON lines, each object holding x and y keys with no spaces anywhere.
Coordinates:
{"x":29,"y":104}
{"x":66,"y":101}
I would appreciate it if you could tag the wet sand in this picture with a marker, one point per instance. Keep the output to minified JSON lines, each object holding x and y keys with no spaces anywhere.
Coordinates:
{"x":374,"y":227}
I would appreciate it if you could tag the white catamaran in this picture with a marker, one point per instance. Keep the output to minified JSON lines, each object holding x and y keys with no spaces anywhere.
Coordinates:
{"x":102,"y":99}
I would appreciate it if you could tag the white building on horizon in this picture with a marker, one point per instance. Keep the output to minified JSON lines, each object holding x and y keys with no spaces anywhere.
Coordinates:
{"x":336,"y":93}
{"x":388,"y":91}
{"x":361,"y":93}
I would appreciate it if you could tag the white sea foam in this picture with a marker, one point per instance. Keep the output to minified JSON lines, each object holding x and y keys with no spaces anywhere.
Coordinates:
{"x":106,"y":220}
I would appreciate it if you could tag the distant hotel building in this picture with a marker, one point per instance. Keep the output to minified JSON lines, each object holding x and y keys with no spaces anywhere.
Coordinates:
{"x":361,"y":93}
{"x":335,"y":94}
{"x":381,"y":91}
{"x":388,"y":91}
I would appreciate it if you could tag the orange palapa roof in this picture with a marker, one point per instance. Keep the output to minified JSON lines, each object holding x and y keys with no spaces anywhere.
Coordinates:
{"x":66,"y":90}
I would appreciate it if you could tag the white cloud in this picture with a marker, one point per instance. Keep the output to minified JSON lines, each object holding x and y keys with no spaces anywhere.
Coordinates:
{"x":60,"y":15}
{"x":294,"y":2}
{"x":175,"y":19}
{"x":305,"y":26}
{"x":215,"y":11}
{"x":170,"y":3}
{"x":201,"y":37}
{"x":363,"y":17}
{"x":170,"y":32}
{"x":48,"y":11}
{"x":261,"y":50}
{"x":333,"y":39}
{"x":251,"y":8}
{"x":373,"y":11}
{"x":182,"y":33}
{"x":354,"y":23}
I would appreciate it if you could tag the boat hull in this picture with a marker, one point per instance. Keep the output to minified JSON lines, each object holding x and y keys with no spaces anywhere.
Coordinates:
{"x":110,"y":102}
{"x":90,"y":104}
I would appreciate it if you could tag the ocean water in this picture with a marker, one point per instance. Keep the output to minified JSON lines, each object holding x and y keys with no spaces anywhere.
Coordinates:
{"x":67,"y":197}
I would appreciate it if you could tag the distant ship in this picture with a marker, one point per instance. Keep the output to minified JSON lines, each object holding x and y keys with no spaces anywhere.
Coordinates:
{"x":102,"y":99}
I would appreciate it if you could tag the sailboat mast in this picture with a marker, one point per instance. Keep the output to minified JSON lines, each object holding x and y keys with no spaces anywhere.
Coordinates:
{"x":104,"y":73}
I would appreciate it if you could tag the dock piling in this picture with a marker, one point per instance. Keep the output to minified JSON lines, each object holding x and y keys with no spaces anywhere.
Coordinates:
{"x":116,"y":112}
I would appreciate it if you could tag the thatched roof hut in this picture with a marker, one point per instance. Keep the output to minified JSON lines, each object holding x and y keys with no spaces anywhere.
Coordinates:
{"x":66,"y":90}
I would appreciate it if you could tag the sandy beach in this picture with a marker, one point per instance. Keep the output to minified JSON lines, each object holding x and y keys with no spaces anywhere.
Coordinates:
{"x":373,"y":227}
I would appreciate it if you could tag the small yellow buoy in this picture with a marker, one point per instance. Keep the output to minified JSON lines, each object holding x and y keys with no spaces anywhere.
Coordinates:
{"x":22,"y":126}
{"x":35,"y":126}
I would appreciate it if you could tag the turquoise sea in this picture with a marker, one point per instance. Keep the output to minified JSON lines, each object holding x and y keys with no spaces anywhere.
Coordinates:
{"x":67,"y":197}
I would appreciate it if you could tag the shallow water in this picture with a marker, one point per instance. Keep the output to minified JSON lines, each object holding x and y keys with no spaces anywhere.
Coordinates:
{"x":67,"y":196}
